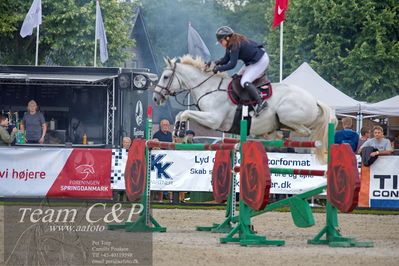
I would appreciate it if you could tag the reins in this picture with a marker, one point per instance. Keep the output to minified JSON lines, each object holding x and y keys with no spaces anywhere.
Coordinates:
{"x":181,"y":90}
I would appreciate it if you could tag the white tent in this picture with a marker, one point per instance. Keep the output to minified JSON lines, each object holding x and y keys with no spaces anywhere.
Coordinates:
{"x":389,"y":107}
{"x":305,"y":77}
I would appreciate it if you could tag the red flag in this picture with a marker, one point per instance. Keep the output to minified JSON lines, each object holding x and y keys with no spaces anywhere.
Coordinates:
{"x":279,"y":12}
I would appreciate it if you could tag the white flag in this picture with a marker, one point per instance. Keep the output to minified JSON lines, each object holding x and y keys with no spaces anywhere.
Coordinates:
{"x":100,"y":34}
{"x":32,"y":19}
{"x":196,"y":46}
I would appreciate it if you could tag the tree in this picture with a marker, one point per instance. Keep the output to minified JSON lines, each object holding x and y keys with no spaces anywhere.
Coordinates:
{"x":352,"y":44}
{"x":67,"y":32}
{"x":167,"y":23}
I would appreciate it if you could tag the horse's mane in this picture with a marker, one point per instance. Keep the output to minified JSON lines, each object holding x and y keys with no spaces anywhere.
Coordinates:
{"x":197,"y":62}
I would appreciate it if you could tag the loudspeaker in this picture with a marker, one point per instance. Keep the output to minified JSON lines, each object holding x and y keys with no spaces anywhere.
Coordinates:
{"x":134,"y":81}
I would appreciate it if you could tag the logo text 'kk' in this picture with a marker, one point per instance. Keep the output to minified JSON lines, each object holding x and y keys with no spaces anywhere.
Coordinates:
{"x":160,"y":166}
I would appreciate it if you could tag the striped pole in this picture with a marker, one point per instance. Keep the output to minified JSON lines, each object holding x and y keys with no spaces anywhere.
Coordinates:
{"x":184,"y":146}
{"x":281,"y":143}
{"x":291,"y":171}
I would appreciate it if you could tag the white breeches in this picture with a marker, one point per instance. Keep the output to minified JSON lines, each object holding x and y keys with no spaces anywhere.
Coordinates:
{"x":252,"y":72}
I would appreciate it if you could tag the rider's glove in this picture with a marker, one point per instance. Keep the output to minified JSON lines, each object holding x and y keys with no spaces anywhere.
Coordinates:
{"x":208,"y":64}
{"x":215,"y":69}
{"x":236,"y":76}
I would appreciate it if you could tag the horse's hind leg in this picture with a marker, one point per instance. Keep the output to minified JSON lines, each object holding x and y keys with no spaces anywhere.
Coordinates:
{"x":299,"y":129}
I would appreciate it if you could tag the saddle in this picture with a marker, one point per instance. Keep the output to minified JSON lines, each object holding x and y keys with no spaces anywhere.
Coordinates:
{"x":239,"y":95}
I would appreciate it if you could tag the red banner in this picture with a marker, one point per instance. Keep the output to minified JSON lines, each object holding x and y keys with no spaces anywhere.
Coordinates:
{"x":221,"y":176}
{"x":343,"y":183}
{"x":85,"y":175}
{"x":135,"y":171}
{"x":255,"y":179}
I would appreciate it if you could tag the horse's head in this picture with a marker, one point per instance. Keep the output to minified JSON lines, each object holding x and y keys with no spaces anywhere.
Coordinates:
{"x":188,"y":74}
{"x":168,"y":83}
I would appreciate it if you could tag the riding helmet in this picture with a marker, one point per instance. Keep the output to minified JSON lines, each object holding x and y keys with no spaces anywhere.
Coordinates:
{"x":223,"y":32}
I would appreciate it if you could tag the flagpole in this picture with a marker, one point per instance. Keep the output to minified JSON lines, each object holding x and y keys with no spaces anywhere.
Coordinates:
{"x":95,"y":41}
{"x":281,"y":50}
{"x":95,"y":47}
{"x":189,"y":96}
{"x":37,"y":46}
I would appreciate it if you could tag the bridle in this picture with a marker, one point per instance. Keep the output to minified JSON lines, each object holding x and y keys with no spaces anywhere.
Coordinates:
{"x":168,"y":92}
{"x":167,"y":87}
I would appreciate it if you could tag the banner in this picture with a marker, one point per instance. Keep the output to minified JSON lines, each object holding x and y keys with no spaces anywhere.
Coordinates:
{"x":379,"y":183}
{"x":85,"y":175}
{"x":192,"y":170}
{"x":119,"y":159}
{"x":73,"y":173}
{"x":28,"y":172}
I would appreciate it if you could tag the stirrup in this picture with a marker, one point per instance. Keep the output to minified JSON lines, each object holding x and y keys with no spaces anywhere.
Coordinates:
{"x":260,"y":107}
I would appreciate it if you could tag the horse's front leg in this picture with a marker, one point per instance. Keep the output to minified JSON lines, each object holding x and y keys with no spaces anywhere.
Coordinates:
{"x":206,"y":119}
{"x":177,"y":126}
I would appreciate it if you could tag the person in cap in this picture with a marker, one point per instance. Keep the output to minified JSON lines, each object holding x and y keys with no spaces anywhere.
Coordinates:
{"x":251,"y":53}
{"x":190,"y":134}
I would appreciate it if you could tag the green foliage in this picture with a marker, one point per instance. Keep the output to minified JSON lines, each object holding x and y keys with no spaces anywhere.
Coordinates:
{"x":352,"y":44}
{"x":167,"y":23}
{"x":66,"y":34}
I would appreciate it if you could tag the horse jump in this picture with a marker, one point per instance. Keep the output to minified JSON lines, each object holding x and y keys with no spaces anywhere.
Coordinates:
{"x":300,"y":208}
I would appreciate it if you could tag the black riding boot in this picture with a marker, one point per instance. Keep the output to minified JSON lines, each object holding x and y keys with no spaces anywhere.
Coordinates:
{"x":253,"y":93}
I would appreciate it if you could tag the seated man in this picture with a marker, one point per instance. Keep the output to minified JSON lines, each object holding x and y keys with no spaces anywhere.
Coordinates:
{"x":380,"y":143}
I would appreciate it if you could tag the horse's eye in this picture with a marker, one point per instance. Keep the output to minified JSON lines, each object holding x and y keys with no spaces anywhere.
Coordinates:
{"x":165,"y":77}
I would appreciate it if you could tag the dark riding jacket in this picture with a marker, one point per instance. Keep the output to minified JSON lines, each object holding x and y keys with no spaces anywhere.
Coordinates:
{"x":249,"y":52}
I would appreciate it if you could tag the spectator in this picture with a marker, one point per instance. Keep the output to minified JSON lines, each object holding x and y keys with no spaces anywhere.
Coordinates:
{"x":365,"y":132}
{"x":158,"y":193}
{"x":379,"y":142}
{"x":182,"y":195}
{"x":190,"y":134}
{"x":33,"y":124}
{"x":396,"y":142}
{"x":126,"y":143}
{"x":6,"y":138}
{"x":347,"y":135}
{"x":163,"y":134}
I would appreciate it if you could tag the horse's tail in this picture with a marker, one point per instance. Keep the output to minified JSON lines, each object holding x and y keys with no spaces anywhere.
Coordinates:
{"x":320,"y":129}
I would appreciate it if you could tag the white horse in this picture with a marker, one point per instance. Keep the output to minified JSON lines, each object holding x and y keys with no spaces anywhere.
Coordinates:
{"x":290,"y":106}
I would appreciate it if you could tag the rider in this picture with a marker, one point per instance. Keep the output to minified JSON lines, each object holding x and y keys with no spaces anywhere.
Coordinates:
{"x":251,"y":53}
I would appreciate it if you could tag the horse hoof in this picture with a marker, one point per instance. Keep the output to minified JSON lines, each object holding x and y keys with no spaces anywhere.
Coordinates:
{"x":182,"y":129}
{"x":176,"y":129}
{"x":181,"y":134}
